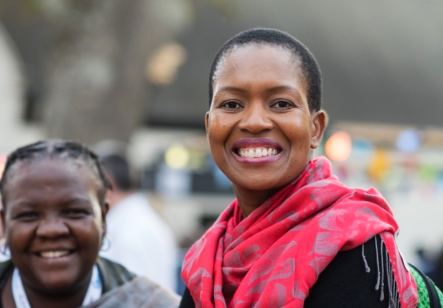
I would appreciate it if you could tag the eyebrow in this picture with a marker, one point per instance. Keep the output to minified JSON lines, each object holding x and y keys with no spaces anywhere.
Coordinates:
{"x":26,"y":203}
{"x":231,"y":89}
{"x":68,"y":202}
{"x":270,"y":90}
{"x":282,"y":88}
{"x":77,"y":200}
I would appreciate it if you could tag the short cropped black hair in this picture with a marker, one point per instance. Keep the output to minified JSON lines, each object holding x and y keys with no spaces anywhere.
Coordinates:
{"x":261,"y":36}
{"x":117,"y":167}
{"x":56,"y":149}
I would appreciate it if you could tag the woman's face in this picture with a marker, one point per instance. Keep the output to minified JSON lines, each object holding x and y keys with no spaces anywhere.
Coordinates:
{"x":53,"y":223}
{"x":259,"y":127}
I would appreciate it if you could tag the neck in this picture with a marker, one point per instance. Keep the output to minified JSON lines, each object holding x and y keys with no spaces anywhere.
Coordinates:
{"x":73,"y":299}
{"x":249,"y":200}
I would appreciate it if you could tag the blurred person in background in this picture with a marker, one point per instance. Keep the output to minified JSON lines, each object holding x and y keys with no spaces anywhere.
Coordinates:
{"x":2,"y":167}
{"x":294,"y":236}
{"x":54,"y":218}
{"x":436,"y":272}
{"x":140,"y":239}
{"x":425,"y":261}
{"x":1,"y":208}
{"x":3,"y":256}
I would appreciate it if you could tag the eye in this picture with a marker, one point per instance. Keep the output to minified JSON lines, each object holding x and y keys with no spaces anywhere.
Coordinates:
{"x":231,"y":105}
{"x":27,"y":216}
{"x":76,"y":213}
{"x":282,"y":104}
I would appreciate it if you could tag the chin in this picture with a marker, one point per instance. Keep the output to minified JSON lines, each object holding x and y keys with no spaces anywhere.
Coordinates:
{"x":258,"y":185}
{"x":58,"y":285}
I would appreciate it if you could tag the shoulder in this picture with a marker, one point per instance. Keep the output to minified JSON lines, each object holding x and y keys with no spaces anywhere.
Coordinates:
{"x":5,"y":268}
{"x":187,"y":300}
{"x":358,"y":277}
{"x":139,"y":292}
{"x":113,"y":274}
{"x":159,"y":296}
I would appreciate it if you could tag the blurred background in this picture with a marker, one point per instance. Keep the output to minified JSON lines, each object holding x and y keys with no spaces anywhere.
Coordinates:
{"x":136,"y":71}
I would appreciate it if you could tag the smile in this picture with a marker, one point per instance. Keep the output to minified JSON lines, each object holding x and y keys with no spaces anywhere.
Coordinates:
{"x":53,"y":254}
{"x":257,"y":152}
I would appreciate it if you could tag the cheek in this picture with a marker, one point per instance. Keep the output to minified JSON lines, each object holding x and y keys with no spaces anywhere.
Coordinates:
{"x":298,"y":133}
{"x":217,"y":135}
{"x":217,"y":132}
{"x":98,"y":214}
{"x":90,"y":244}
{"x":88,"y":232}
{"x":96,"y":230}
{"x":19,"y":237}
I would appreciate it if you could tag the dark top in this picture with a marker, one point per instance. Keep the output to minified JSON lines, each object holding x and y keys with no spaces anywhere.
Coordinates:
{"x":111,"y":273}
{"x":346,"y":283}
{"x":436,"y":275}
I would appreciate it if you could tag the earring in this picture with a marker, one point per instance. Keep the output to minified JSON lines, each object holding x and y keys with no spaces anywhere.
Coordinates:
{"x":4,"y":249}
{"x":106,"y":243}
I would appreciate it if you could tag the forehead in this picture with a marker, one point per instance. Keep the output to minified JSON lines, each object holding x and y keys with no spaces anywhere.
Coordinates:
{"x":49,"y":173}
{"x":258,"y":64}
{"x":254,"y":52}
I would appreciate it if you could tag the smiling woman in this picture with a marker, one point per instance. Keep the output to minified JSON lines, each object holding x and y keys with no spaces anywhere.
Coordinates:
{"x":53,"y":194}
{"x":294,"y":236}
{"x":260,"y":104}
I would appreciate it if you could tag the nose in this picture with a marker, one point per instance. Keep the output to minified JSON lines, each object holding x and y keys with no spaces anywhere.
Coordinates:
{"x":52,"y":227}
{"x":256,"y":119}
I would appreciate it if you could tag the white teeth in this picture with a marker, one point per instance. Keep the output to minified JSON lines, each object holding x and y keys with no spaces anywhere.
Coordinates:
{"x":257,"y":152}
{"x":54,"y":254}
{"x":251,"y":153}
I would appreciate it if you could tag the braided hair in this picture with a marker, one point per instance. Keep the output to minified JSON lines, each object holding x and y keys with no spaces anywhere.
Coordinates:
{"x":56,"y":149}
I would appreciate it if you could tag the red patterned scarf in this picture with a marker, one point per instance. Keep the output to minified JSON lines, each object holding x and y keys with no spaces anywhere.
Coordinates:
{"x":275,"y":255}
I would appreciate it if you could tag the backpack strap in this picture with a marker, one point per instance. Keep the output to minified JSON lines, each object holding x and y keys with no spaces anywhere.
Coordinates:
{"x":428,"y":294}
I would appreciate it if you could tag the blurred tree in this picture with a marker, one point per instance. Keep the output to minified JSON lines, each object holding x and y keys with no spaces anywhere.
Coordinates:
{"x":97,"y":74}
{"x":96,"y":61}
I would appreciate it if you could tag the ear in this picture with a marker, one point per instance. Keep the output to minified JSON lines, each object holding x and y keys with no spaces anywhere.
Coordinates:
{"x":2,"y":213}
{"x":206,"y":120}
{"x":105,"y":209}
{"x":319,"y":123}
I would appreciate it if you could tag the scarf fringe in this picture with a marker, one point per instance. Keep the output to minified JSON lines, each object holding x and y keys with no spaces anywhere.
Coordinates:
{"x":383,"y":267}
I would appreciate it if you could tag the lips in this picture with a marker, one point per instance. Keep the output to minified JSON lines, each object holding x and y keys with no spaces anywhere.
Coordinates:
{"x":256,"y":151}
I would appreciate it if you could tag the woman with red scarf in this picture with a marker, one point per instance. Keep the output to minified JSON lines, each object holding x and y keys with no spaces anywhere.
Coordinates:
{"x":294,"y":236}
